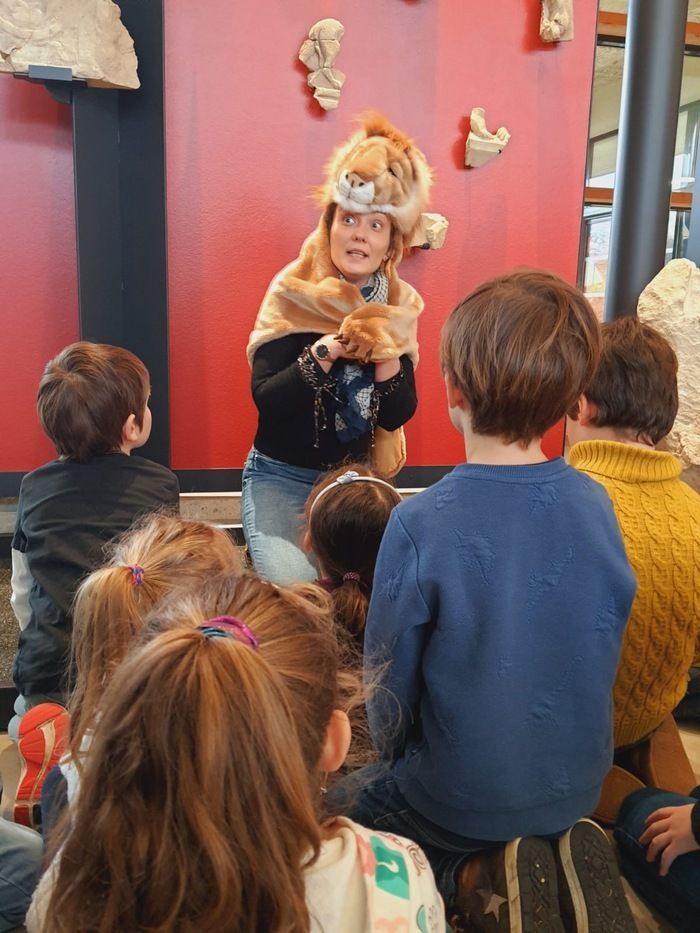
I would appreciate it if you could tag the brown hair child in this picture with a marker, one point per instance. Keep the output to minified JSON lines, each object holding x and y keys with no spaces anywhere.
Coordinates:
{"x":200,"y":807}
{"x":500,"y":599}
{"x":93,"y":405}
{"x":346,"y":514}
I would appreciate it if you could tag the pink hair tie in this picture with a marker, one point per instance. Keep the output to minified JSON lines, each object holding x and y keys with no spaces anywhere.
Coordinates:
{"x":229,"y":627}
{"x":351,"y":575}
{"x":136,"y":574}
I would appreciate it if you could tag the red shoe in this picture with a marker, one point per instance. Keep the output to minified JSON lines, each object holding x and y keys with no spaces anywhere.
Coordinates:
{"x":43,"y":738}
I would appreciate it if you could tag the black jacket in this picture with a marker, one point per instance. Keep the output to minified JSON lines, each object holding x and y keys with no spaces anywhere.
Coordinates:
{"x":67,"y":512}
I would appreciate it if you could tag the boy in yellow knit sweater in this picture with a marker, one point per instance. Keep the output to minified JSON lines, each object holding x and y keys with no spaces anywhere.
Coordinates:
{"x":627,"y":409}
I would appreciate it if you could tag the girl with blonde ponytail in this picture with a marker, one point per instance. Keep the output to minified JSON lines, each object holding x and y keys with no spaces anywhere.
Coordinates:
{"x":200,"y":808}
{"x":159,"y":558}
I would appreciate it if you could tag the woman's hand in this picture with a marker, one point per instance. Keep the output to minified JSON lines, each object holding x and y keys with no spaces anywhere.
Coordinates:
{"x":669,"y":833}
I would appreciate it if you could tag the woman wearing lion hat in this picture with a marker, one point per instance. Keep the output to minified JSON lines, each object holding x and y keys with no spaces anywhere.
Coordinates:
{"x":335,"y":344}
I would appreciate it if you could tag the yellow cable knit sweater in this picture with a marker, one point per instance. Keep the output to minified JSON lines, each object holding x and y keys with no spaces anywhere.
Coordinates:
{"x":659,"y":517}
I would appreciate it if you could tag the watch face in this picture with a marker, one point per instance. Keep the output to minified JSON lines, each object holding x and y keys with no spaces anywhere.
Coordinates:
{"x":321,"y":351}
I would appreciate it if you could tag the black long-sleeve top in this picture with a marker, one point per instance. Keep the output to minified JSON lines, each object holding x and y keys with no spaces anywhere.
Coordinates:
{"x":287,"y":402}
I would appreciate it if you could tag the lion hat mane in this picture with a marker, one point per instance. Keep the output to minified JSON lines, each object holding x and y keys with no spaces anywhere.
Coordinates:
{"x":378,"y":169}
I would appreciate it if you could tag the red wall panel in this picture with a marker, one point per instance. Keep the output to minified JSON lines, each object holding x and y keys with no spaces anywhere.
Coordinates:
{"x":38,"y":278}
{"x":245,"y":142}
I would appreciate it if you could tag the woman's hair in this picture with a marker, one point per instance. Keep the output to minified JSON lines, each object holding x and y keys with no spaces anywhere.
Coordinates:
{"x":198,"y":808}
{"x":154,"y":560}
{"x":345,"y":522}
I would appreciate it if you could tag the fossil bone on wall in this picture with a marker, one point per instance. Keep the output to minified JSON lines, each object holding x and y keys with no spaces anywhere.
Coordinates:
{"x":430,"y":232}
{"x":671,"y":304}
{"x":86,"y":36}
{"x":483,"y":146}
{"x":319,"y":53}
{"x":557,"y":20}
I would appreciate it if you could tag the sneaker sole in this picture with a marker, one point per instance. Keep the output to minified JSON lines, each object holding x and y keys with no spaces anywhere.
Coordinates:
{"x":531,"y":880}
{"x":592,"y":877}
{"x":33,"y":771}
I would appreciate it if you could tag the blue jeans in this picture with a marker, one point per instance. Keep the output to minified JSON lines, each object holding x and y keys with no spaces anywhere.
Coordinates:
{"x":272,"y":509}
{"x":677,"y":895}
{"x":372,"y":798}
{"x":21,"y":853}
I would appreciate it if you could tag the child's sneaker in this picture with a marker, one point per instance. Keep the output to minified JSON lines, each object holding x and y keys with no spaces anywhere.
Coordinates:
{"x":511,"y":890}
{"x":43,"y":737}
{"x":591,"y":895}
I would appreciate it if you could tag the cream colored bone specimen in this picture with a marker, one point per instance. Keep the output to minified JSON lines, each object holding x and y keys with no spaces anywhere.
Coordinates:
{"x":671,"y":304}
{"x":430,"y":232}
{"x":319,"y":53}
{"x":86,"y":36}
{"x":557,"y":20}
{"x":483,"y":146}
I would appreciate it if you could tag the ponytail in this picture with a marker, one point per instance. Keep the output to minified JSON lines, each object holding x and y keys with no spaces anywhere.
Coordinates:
{"x":350,"y":600}
{"x":155,"y":559}
{"x":197,"y":811}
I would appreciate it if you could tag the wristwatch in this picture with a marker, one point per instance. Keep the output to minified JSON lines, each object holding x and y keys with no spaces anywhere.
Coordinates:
{"x":321,"y":351}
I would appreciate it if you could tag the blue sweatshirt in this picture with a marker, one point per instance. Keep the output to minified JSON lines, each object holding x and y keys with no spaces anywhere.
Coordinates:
{"x":500,"y":598}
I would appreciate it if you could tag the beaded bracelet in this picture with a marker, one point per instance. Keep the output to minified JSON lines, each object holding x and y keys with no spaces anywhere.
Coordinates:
{"x":309,"y":369}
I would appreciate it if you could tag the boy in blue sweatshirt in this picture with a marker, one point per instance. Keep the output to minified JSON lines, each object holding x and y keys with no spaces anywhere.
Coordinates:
{"x":500,"y":598}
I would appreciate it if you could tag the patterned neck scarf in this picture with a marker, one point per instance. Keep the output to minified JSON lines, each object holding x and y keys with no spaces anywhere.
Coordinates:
{"x":356,"y":397}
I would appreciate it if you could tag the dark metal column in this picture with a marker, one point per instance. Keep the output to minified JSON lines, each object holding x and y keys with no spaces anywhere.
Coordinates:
{"x":143,"y":215}
{"x":119,"y":150}
{"x":651,"y":87}
{"x":96,"y":161}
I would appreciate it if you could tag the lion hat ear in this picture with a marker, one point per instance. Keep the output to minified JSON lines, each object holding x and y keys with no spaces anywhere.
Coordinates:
{"x":378,"y":169}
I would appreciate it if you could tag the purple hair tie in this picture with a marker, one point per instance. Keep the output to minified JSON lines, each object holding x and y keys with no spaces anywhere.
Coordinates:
{"x":136,"y":574}
{"x":351,"y":575}
{"x":229,"y":627}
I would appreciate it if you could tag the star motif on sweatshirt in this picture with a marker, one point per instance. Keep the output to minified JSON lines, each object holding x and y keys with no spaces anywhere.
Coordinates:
{"x":492,"y":902}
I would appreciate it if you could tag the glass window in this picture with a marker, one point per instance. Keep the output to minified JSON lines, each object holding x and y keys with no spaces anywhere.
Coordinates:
{"x":605,"y":120}
{"x":597,"y":221}
{"x":602,"y":154}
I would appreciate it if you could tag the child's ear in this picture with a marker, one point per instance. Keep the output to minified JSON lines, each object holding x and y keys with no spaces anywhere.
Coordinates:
{"x":306,"y":544}
{"x":130,"y":430}
{"x":455,"y":399}
{"x":587,"y":411}
{"x":335,"y":748}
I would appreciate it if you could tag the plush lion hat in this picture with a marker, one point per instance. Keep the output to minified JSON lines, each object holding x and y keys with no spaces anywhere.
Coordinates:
{"x":378,"y":169}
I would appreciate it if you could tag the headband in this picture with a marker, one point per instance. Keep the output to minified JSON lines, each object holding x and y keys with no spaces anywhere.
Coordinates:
{"x":229,"y":627}
{"x":351,"y":476}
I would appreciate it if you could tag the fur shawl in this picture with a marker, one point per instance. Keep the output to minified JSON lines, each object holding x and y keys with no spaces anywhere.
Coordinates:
{"x":307,"y":295}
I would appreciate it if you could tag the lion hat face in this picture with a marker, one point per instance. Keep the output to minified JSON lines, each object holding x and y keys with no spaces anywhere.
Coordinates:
{"x":379,"y":169}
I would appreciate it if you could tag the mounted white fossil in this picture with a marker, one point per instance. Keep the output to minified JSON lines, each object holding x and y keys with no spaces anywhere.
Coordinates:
{"x":483,"y":146}
{"x":319,"y":53}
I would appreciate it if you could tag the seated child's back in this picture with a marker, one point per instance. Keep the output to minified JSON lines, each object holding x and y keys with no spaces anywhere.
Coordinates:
{"x":629,"y":407}
{"x":200,"y":806}
{"x":502,"y":592}
{"x":93,"y":404}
